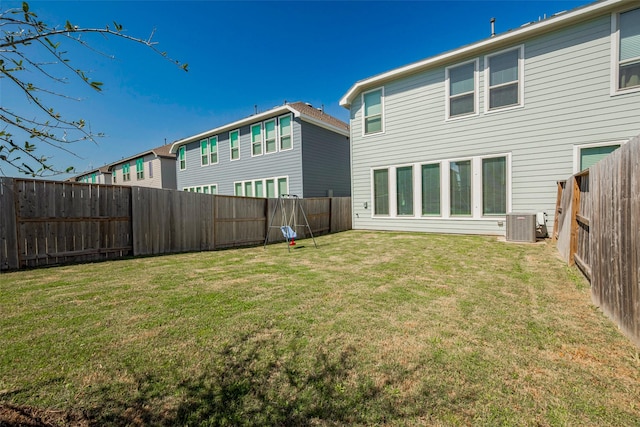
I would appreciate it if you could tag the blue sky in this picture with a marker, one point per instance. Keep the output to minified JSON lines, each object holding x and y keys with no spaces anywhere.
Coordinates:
{"x":242,"y":54}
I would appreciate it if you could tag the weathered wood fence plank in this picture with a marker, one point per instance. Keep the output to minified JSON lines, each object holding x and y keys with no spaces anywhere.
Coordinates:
{"x":49,"y":222}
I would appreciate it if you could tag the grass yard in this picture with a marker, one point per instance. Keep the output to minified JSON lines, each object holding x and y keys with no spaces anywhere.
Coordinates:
{"x":369,"y":329}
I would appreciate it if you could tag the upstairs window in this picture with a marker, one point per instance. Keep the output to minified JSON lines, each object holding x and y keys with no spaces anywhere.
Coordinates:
{"x":628,"y":68}
{"x":204,"y":152}
{"x":285,"y":133}
{"x":270,"y":136}
{"x":213,"y":150}
{"x":372,"y":102}
{"x":504,"y":72}
{"x":182,"y":158}
{"x":234,"y":144}
{"x":140,"y":168}
{"x":256,"y":140}
{"x":461,"y":87}
{"x":126,"y":173}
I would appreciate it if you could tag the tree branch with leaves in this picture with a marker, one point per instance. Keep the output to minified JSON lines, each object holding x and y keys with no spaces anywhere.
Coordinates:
{"x":20,"y":30}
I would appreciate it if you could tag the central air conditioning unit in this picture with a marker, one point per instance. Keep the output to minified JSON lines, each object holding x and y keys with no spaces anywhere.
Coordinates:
{"x":521,"y":227}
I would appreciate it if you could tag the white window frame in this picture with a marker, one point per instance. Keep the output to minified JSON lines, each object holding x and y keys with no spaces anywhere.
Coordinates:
{"x":252,"y":183}
{"x":231,"y":148}
{"x":279,"y":136}
{"x":260,"y":142}
{"x":382,"y":112}
{"x":487,"y":75}
{"x":445,"y":198}
{"x":276,"y":140}
{"x":579,"y":147}
{"x":211,"y":152}
{"x":182,"y":150}
{"x":615,"y":55}
{"x":476,"y":94}
{"x":206,"y":155}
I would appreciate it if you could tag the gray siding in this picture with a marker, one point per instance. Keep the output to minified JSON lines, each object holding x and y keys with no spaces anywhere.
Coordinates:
{"x":567,"y":102}
{"x":325,"y":162}
{"x":226,"y":172}
{"x":158,"y":173}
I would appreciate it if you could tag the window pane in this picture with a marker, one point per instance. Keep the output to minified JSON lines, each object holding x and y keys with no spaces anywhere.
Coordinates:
{"x":381,"y":192}
{"x":181,"y":155}
{"x":204,"y":152}
{"x":271,"y":189}
{"x":270,"y":136}
{"x":150,"y":164}
{"x":256,"y":140}
{"x":271,"y":145}
{"x":404,"y":190}
{"x":213,"y":149}
{"x":494,"y":186}
{"x":592,"y":155}
{"x":462,"y":105}
{"x":285,"y":125}
{"x":214,"y":189}
{"x":630,"y":75}
{"x":372,"y":103}
{"x":373,"y":124}
{"x":461,"y":79}
{"x":259,"y":189}
{"x":205,"y":189}
{"x":285,"y":143}
{"x":431,"y":189}
{"x":503,"y":96}
{"x":630,"y":34}
{"x":238,"y":189}
{"x":504,"y":67}
{"x":234,"y":144}
{"x":460,"y":187}
{"x":282,"y":186}
{"x":248,"y":189}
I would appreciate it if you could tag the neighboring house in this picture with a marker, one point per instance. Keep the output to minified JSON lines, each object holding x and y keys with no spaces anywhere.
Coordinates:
{"x":291,"y":149}
{"x":454,"y":142}
{"x":155,"y":168}
{"x":102,"y":175}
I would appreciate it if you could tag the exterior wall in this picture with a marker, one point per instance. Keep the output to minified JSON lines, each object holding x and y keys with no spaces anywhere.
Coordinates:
{"x":158,"y":173}
{"x":325,"y":162}
{"x":101,"y":178}
{"x":567,"y":103}
{"x":226,"y":172}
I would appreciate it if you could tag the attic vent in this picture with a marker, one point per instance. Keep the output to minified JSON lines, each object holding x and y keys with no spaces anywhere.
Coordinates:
{"x":521,"y":227}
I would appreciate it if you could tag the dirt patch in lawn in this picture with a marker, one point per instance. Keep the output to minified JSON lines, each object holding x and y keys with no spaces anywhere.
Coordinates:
{"x":14,"y":416}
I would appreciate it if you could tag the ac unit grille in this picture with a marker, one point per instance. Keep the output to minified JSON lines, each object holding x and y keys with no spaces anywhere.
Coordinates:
{"x":521,"y":227}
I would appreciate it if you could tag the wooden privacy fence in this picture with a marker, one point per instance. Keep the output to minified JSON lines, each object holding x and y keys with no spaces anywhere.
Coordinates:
{"x":49,"y":222}
{"x":598,"y":228}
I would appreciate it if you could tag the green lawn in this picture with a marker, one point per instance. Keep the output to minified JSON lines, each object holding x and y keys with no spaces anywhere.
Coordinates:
{"x":369,"y":329}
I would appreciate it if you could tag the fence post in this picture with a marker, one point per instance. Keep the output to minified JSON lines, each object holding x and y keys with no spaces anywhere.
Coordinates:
{"x":575,"y":206}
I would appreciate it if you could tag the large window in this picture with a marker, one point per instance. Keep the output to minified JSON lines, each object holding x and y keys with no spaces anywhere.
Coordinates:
{"x":213,"y":150}
{"x":126,"y":172}
{"x":234,"y":144}
{"x":431,"y":189}
{"x":204,"y":152}
{"x":182,"y":158}
{"x":256,"y":140}
{"x":404,"y":190}
{"x":628,"y":67}
{"x":504,"y":78}
{"x":283,"y":186}
{"x":494,"y":186}
{"x":461,"y":86}
{"x":140,"y":168}
{"x":237,"y":189}
{"x":381,"y":192}
{"x":271,"y":189}
{"x":275,"y":187}
{"x":285,"y":133}
{"x":372,"y":102}
{"x":270,"y":136}
{"x":460,"y":187}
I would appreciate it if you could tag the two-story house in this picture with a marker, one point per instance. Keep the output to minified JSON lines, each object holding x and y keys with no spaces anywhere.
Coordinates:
{"x":454,"y":142}
{"x":155,"y":168}
{"x":290,"y":149}
{"x":102,"y":175}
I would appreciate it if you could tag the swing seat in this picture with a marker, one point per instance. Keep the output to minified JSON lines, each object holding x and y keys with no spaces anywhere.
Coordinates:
{"x":288,"y":232}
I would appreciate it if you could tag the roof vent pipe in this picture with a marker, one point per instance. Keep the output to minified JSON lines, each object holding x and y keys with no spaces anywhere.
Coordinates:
{"x":493,"y":27}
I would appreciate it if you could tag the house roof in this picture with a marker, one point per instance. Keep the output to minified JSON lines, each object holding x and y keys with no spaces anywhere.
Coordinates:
{"x":559,"y":20}
{"x":162,"y":151}
{"x":304,"y":111}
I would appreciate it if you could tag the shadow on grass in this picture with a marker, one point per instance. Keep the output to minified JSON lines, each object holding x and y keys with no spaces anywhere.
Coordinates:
{"x":259,"y":381}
